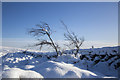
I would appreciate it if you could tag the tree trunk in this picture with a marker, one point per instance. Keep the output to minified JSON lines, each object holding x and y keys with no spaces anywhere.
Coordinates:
{"x":53,"y":44}
{"x":76,"y":52}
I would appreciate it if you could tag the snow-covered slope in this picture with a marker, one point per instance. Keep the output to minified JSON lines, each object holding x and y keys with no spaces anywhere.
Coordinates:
{"x":89,"y":63}
{"x":51,"y":69}
{"x":19,"y":73}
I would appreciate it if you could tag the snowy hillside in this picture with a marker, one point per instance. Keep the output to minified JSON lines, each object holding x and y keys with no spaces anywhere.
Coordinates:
{"x":89,"y":63}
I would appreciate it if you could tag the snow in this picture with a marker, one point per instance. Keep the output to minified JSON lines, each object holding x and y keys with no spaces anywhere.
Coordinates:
{"x":19,"y":73}
{"x":29,"y":66}
{"x":89,"y":63}
{"x":52,"y":69}
{"x":102,"y":68}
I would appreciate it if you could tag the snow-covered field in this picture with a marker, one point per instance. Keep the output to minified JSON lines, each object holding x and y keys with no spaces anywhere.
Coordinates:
{"x":89,"y":63}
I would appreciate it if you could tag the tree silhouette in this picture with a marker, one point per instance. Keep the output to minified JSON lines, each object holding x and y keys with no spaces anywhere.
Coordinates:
{"x":42,"y":30}
{"x":73,"y":39}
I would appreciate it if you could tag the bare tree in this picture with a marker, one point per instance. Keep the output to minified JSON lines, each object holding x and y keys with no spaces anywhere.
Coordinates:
{"x":42,"y":30}
{"x":73,"y":39}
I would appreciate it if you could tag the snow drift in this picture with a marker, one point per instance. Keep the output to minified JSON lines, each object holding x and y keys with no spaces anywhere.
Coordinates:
{"x":89,"y":63}
{"x":50,"y":69}
{"x":19,"y":73}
